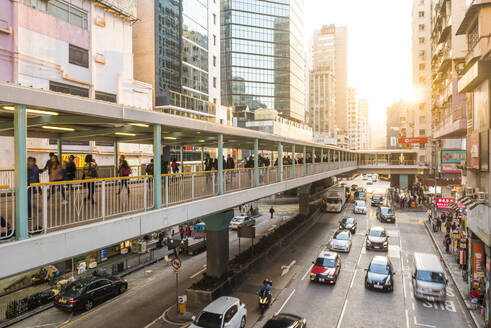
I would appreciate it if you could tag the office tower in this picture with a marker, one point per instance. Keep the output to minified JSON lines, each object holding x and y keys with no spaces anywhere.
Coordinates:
{"x":263,"y":57}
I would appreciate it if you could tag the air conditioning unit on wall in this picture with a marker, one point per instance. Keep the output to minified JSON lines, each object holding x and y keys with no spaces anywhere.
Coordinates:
{"x":482,"y":197}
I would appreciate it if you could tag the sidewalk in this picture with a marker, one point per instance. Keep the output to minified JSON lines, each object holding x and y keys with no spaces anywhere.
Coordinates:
{"x":456,"y":275}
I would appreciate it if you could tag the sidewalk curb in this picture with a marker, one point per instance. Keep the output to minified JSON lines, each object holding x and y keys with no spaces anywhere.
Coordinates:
{"x":468,"y":312}
{"x":26,"y":315}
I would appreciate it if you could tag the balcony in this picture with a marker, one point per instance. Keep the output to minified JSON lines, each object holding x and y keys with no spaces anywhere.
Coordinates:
{"x":454,"y":126}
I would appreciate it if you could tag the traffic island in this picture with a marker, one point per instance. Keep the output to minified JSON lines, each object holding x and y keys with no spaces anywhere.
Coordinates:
{"x":210,"y":288}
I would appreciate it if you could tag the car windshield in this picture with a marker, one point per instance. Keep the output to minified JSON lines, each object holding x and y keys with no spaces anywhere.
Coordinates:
{"x":376,"y":197}
{"x":431,"y":276}
{"x":361,"y":194}
{"x":360,"y":203}
{"x":386,"y":210}
{"x":333,"y":200}
{"x":325,"y":262}
{"x":238,"y":219}
{"x":379,"y":268}
{"x":348,"y":220}
{"x":341,"y":235}
{"x":281,"y":323}
{"x":377,"y":233}
{"x":209,"y":320}
{"x":74,"y":289}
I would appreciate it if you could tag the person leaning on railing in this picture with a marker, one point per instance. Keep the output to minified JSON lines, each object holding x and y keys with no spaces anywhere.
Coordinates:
{"x":90,"y":172}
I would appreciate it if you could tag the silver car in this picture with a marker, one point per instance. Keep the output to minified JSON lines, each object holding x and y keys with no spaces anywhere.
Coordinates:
{"x":360,"y":207}
{"x":341,"y":241}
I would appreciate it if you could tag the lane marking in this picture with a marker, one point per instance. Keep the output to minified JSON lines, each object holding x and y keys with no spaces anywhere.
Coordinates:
{"x":407,"y":319}
{"x":353,"y":280}
{"x":308,"y":271}
{"x":197,"y":273}
{"x":286,"y":301}
{"x":286,"y":268}
{"x":342,"y":314}
{"x":422,"y":324}
{"x":404,"y":284}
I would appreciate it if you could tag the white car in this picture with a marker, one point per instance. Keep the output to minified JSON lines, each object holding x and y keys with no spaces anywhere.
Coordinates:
{"x":239,"y":220}
{"x":225,"y":311}
{"x":341,"y":241}
{"x":360,"y":207}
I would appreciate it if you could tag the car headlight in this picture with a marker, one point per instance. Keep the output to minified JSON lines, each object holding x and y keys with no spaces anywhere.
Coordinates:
{"x":385,"y":243}
{"x":369,"y":242}
{"x":312,"y":274}
{"x":387,"y":281}
{"x":340,"y":227}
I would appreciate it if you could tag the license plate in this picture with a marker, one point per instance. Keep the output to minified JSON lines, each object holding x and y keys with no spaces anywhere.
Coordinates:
{"x":378,"y":286}
{"x":62,"y":300}
{"x":321,"y":279}
{"x":376,"y":247}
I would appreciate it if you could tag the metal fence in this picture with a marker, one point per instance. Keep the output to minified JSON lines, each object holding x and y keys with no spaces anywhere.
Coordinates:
{"x":7,"y":213}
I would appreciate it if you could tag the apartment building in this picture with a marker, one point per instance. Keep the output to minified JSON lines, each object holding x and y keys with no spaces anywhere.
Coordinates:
{"x":176,"y":47}
{"x":363,"y":109}
{"x":353,"y":120}
{"x":79,"y":47}
{"x":322,"y":111}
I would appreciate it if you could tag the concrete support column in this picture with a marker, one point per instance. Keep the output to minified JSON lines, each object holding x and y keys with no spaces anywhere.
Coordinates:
{"x":217,"y":243}
{"x":256,"y":162}
{"x":304,"y":199}
{"x":339,"y":158}
{"x":157,"y":169}
{"x":59,"y":150}
{"x":280,"y":162}
{"x":220,"y":164}
{"x":313,"y":160}
{"x":20,"y":136}
{"x":293,"y":161}
{"x":116,"y":157}
{"x":322,"y":155}
{"x":304,"y":160}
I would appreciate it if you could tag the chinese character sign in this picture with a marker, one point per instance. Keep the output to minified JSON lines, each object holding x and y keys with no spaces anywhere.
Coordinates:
{"x":453,"y":156}
{"x":444,"y":203}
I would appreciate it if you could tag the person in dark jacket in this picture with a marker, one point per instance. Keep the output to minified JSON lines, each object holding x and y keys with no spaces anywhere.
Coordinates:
{"x":215,"y":164}
{"x":149,"y":168}
{"x":32,"y":177}
{"x":48,"y":164}
{"x":271,"y":211}
{"x":230,"y":162}
{"x":70,"y":168}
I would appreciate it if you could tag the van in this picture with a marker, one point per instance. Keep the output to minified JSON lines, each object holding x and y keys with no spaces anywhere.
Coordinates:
{"x":428,"y":278}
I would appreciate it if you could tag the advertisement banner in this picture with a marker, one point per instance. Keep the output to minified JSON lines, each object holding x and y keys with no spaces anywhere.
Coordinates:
{"x":420,"y":140}
{"x":453,"y":156}
{"x":444,"y":203}
{"x":478,"y":270}
{"x":79,"y":159}
{"x":474,"y":162}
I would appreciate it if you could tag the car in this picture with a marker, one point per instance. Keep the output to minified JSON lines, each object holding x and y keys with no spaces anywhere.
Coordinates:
{"x":225,"y":311}
{"x":353,"y":187}
{"x":84,"y":293}
{"x":286,"y":320}
{"x":376,"y":238}
{"x":348,"y":223}
{"x":369,"y":182}
{"x":241,"y":220}
{"x":341,"y":241}
{"x":360,"y":207}
{"x":326,"y":268}
{"x":377,"y":200}
{"x":380,"y":274}
{"x":386,"y":214}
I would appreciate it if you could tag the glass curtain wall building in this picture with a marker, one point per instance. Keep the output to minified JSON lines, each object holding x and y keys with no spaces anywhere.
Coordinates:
{"x":263,"y":55}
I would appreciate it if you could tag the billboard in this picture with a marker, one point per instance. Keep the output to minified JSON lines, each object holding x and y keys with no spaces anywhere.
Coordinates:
{"x":444,"y":203}
{"x":419,"y":140}
{"x":125,"y":7}
{"x":474,"y":162}
{"x":453,"y":156}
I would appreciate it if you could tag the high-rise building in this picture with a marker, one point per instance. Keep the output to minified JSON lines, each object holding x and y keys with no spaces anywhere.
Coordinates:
{"x":330,"y":48}
{"x":176,"y":45}
{"x":262,"y":56}
{"x":353,"y":120}
{"x":322,"y":104}
{"x":397,"y":123}
{"x":363,"y":110}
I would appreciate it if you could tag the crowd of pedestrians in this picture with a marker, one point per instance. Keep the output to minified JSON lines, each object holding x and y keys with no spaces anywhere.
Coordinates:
{"x":412,"y":197}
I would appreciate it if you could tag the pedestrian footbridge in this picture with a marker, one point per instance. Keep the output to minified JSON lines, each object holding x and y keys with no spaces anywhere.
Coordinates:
{"x":50,"y":221}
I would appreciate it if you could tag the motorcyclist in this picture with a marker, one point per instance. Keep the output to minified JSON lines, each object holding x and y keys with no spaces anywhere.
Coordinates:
{"x":266,"y":286}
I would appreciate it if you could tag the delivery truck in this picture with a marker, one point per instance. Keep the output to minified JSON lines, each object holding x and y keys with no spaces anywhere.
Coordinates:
{"x":334,"y":199}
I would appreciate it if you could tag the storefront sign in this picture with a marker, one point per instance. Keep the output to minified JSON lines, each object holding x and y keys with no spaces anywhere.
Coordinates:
{"x":478,"y":270}
{"x":419,"y":140}
{"x":453,"y":156}
{"x":444,"y":203}
{"x":474,"y":162}
{"x":103,"y":254}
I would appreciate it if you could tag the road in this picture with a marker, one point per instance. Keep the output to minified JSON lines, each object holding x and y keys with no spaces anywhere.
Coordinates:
{"x":348,"y":303}
{"x":151,"y":290}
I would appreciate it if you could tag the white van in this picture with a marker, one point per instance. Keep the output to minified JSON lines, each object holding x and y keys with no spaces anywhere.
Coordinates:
{"x":428,"y":277}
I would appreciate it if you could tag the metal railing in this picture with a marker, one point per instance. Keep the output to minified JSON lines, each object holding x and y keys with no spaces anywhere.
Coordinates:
{"x":7,"y":212}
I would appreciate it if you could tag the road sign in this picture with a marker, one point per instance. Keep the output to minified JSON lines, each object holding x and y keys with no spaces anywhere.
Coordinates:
{"x":444,"y":203}
{"x":420,"y":140}
{"x":176,"y":263}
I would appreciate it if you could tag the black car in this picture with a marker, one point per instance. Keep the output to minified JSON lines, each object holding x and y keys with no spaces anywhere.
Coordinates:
{"x":377,"y":200}
{"x":353,"y":187}
{"x":348,"y":224}
{"x":84,"y":293}
{"x":285,"y":320}
{"x":380,"y":274}
{"x":386,"y":214}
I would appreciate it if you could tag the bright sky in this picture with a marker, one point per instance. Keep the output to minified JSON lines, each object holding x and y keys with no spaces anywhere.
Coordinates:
{"x":379,"y":46}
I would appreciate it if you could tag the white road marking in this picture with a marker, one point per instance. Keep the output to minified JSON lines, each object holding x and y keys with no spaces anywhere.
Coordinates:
{"x":197,"y":273}
{"x":342,"y":314}
{"x":272,"y":228}
{"x":422,"y":324}
{"x":404,"y":285}
{"x":286,"y":301}
{"x":352,"y":280}
{"x":407,"y":319}
{"x":55,"y":323}
{"x":286,"y":268}
{"x":414,"y":306}
{"x":308,"y":271}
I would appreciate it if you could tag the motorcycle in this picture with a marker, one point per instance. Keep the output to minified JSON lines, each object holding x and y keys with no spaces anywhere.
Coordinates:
{"x":264,"y":300}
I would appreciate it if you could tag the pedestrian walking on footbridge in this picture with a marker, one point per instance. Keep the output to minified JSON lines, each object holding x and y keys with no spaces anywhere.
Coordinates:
{"x":271,"y":210}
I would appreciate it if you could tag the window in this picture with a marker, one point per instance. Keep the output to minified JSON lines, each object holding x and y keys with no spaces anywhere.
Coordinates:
{"x":105,"y":96}
{"x":214,"y":61}
{"x":422,"y":119}
{"x":214,"y":40}
{"x":422,"y":158}
{"x":214,"y":82}
{"x":421,"y":27}
{"x":421,"y":40}
{"x":214,"y":19}
{"x":60,"y":9}
{"x":67,"y":88}
{"x":214,"y":100}
{"x":422,"y":132}
{"x":230,"y":313}
{"x":422,"y":146}
{"x":421,"y":53}
{"x":473,"y":37}
{"x":421,"y":14}
{"x":422,"y":67}
{"x":78,"y":56}
{"x":421,"y":79}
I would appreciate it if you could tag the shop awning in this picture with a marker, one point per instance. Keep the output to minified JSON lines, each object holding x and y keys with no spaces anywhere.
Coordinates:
{"x":478,"y":221}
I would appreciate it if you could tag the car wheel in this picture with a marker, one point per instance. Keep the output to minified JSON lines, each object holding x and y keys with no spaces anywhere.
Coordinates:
{"x":366,"y":285}
{"x":243,"y":322}
{"x":123,"y":288}
{"x":89,"y":305}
